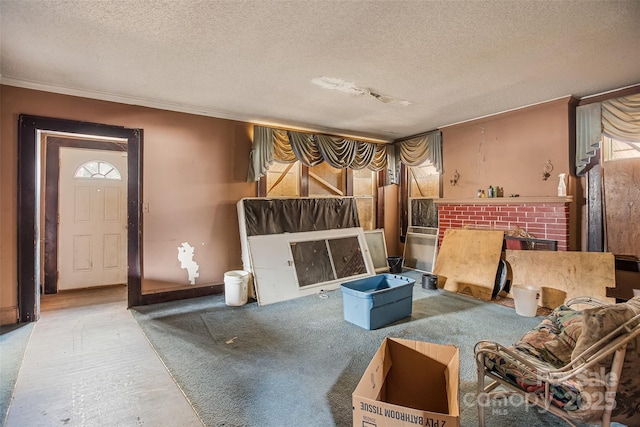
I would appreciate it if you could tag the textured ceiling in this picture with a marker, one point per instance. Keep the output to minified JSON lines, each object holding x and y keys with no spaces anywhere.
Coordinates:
{"x":398,"y":68}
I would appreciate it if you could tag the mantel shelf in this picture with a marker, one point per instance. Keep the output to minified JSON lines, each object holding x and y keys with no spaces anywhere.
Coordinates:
{"x":503,"y":200}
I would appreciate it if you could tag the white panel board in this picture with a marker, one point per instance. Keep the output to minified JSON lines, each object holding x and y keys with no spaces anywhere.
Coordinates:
{"x":275,"y":272}
{"x":420,"y":251}
{"x":378,"y":249}
{"x":423,"y":230}
{"x":242,"y":222}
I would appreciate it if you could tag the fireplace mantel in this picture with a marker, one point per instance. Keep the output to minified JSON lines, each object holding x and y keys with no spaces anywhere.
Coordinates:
{"x":503,"y":200}
{"x":542,"y":217}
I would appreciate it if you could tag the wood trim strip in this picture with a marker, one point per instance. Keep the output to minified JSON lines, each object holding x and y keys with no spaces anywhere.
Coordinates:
{"x":181,"y":294}
{"x":28,"y":205}
{"x":609,"y":95}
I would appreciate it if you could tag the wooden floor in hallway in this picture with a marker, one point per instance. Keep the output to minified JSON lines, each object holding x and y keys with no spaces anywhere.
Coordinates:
{"x":89,"y":364}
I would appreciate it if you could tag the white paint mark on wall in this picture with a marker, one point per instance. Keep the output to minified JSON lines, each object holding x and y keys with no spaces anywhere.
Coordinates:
{"x":185,"y":256}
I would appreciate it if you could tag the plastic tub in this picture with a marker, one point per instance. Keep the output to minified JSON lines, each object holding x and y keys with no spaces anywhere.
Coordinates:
{"x":526,"y":299}
{"x":236,"y":285}
{"x":377,"y":301}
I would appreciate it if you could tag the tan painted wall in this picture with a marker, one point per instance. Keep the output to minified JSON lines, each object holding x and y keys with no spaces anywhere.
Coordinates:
{"x":508,"y":150}
{"x":194,"y":171}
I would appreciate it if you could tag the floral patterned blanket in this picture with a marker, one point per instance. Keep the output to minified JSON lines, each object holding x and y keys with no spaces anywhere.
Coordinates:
{"x":559,"y":338}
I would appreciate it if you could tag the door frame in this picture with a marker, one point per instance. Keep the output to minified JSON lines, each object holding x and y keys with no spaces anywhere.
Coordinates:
{"x":51,"y":193}
{"x":29,"y":196}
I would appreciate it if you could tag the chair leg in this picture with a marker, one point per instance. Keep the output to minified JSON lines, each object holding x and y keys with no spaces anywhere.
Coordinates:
{"x":612,"y":384}
{"x":480,"y":404}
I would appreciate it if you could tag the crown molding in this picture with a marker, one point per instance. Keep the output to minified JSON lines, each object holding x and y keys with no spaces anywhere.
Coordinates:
{"x":120,"y":99}
{"x":180,"y":108}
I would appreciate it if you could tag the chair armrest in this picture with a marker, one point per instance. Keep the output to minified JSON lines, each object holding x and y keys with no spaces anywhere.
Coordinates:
{"x":530,"y":364}
{"x":594,"y":302}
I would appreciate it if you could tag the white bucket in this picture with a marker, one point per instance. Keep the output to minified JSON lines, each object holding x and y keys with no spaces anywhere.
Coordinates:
{"x":526,"y":299}
{"x":236,"y":284}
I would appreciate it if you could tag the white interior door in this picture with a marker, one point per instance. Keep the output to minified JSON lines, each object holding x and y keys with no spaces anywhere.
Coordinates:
{"x":92,"y":230}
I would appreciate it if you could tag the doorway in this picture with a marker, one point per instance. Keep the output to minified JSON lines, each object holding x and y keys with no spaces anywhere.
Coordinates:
{"x":40,"y":141}
{"x":85,"y":212}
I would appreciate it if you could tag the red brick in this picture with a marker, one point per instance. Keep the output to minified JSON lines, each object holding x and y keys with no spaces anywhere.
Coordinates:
{"x":490,"y":208}
{"x":557,"y":236}
{"x":508,"y":217}
{"x":541,"y":220}
{"x":557,"y":227}
{"x":479,"y":223}
{"x":547,"y":209}
{"x":525,"y":220}
{"x":525,"y":209}
{"x":555,"y":215}
{"x":544,"y":220}
{"x":539,"y":232}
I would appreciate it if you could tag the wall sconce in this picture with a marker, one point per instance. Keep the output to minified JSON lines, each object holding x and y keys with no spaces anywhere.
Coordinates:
{"x":546,"y":170}
{"x":456,"y":177}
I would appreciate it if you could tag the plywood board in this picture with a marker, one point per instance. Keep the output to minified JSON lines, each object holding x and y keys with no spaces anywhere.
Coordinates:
{"x":468,"y":261}
{"x":622,"y":206}
{"x":292,"y":265}
{"x":563,"y":275}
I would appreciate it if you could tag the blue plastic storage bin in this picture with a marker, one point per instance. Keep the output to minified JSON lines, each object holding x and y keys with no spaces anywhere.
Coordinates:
{"x":376,"y":301}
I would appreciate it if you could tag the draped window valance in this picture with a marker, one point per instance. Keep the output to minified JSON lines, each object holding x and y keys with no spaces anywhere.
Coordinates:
{"x":282,"y":146}
{"x":617,"y":118}
{"x":415,"y":151}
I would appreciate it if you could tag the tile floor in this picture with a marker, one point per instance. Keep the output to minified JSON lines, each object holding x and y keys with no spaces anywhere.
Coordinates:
{"x":89,"y":364}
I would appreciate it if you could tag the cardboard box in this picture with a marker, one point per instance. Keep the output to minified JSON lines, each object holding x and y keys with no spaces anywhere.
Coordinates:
{"x":376,"y":301}
{"x":409,"y":383}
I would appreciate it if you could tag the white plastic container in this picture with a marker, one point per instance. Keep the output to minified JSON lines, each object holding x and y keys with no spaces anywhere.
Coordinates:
{"x":562,"y":185}
{"x":525,"y":299}
{"x":236,"y":285}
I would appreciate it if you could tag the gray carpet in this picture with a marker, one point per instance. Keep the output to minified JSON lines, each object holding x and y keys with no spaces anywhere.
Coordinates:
{"x":296,"y":363}
{"x":13,"y":344}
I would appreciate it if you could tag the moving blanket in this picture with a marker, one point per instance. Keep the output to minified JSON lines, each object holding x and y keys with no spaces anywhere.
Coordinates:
{"x":276,"y":216}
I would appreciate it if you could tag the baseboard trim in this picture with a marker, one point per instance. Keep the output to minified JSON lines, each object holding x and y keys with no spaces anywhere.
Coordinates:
{"x":181,"y":294}
{"x":8,"y":315}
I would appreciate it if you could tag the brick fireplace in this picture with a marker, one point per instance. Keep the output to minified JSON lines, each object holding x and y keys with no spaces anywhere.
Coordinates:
{"x":543,"y":217}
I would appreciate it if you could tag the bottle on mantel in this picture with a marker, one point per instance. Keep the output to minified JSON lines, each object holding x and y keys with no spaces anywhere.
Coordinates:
{"x":562,"y":185}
